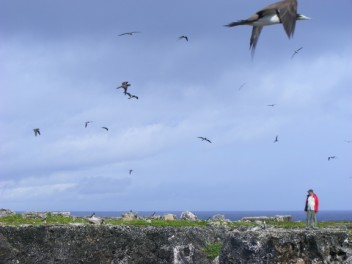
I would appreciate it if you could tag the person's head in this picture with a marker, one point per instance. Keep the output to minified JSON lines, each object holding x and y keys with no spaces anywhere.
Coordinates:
{"x":310,"y":192}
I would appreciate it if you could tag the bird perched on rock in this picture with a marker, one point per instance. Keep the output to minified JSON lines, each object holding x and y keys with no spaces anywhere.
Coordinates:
{"x":283,"y":12}
{"x":204,"y":138}
{"x":130,"y":96}
{"x":124,"y":85}
{"x":36,"y":131}
{"x":129,"y":33}
{"x":183,"y":37}
{"x":331,"y":157}
{"x":95,"y":220}
{"x":105,"y":128}
{"x":276,"y":139}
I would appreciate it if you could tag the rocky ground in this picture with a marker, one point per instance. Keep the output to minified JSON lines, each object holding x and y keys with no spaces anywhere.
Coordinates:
{"x":216,"y":242}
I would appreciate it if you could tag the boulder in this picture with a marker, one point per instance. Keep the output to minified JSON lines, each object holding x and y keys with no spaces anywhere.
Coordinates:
{"x":6,"y":212}
{"x":217,"y":217}
{"x":169,"y":217}
{"x":129,"y":216}
{"x":276,"y":218}
{"x":187,"y":215}
{"x":41,"y":215}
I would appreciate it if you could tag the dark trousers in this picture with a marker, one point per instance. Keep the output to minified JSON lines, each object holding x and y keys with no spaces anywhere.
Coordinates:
{"x":311,"y":219}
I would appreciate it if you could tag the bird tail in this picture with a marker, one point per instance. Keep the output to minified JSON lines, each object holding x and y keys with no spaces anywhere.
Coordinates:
{"x":238,"y":23}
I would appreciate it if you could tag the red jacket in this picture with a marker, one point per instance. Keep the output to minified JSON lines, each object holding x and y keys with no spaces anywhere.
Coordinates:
{"x":316,"y":206}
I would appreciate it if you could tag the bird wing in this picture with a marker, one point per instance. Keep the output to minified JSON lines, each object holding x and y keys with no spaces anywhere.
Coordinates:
{"x":287,"y":12}
{"x":254,"y":38}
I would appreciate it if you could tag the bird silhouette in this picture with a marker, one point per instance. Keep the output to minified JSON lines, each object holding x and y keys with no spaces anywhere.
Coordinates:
{"x":124,"y":85}
{"x":130,"y":96}
{"x":183,"y":37}
{"x":130,"y":172}
{"x":36,"y":131}
{"x":272,"y":105}
{"x":129,"y":33}
{"x":348,"y":141}
{"x":242,"y":85}
{"x":296,"y":51}
{"x":331,"y":157}
{"x":86,"y":123}
{"x":105,"y":128}
{"x":205,"y":139}
{"x":283,"y":12}
{"x":276,"y":139}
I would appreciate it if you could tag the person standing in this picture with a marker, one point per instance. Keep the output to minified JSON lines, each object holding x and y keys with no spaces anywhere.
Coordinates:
{"x":312,"y":207}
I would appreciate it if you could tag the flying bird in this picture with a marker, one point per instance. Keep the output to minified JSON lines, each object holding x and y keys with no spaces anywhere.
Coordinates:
{"x":183,"y":37}
{"x":283,"y":12}
{"x":130,"y":172}
{"x":87,"y":122}
{"x":204,"y":138}
{"x":130,"y":96}
{"x":105,"y":128}
{"x":331,"y":157}
{"x":129,"y":33}
{"x":124,"y":85}
{"x":348,"y":141}
{"x":36,"y":131}
{"x":242,"y":85}
{"x":276,"y":139}
{"x":296,"y":51}
{"x":272,"y":105}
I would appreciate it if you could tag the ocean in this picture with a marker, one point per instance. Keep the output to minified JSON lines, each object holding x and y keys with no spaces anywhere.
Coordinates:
{"x":324,"y":216}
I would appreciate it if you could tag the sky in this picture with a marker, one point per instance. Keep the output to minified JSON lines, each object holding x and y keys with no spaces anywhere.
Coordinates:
{"x":60,"y":64}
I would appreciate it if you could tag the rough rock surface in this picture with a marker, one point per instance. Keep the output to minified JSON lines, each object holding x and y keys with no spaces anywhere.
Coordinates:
{"x":169,"y":217}
{"x":287,"y":246}
{"x":129,"y":216}
{"x":106,"y":244}
{"x":188,"y":216}
{"x":6,"y":212}
{"x":177,"y":245}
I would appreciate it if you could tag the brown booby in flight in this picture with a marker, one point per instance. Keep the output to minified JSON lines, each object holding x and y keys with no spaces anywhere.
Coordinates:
{"x":130,"y":96}
{"x":204,"y":138}
{"x":183,"y":37}
{"x":124,"y":85}
{"x":276,"y":139}
{"x":129,"y":33}
{"x":86,"y":123}
{"x":296,"y":51}
{"x":36,"y":131}
{"x":331,"y":157}
{"x":283,"y":12}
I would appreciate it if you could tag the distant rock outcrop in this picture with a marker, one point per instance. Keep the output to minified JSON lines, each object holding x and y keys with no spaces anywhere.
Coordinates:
{"x":169,"y":217}
{"x":129,"y":216}
{"x":187,"y":215}
{"x":6,"y":212}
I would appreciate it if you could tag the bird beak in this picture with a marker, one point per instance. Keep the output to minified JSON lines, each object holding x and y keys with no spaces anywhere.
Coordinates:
{"x":303,"y":17}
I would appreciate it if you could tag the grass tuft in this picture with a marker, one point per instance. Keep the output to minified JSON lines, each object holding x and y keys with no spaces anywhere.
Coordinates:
{"x":212,"y":250}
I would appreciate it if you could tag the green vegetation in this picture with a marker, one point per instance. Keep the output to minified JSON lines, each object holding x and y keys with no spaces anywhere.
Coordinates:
{"x":142,"y":222}
{"x":212,"y":250}
{"x":17,"y":219}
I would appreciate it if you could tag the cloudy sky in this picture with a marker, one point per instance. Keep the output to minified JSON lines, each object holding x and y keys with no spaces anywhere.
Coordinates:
{"x":60,"y":64}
